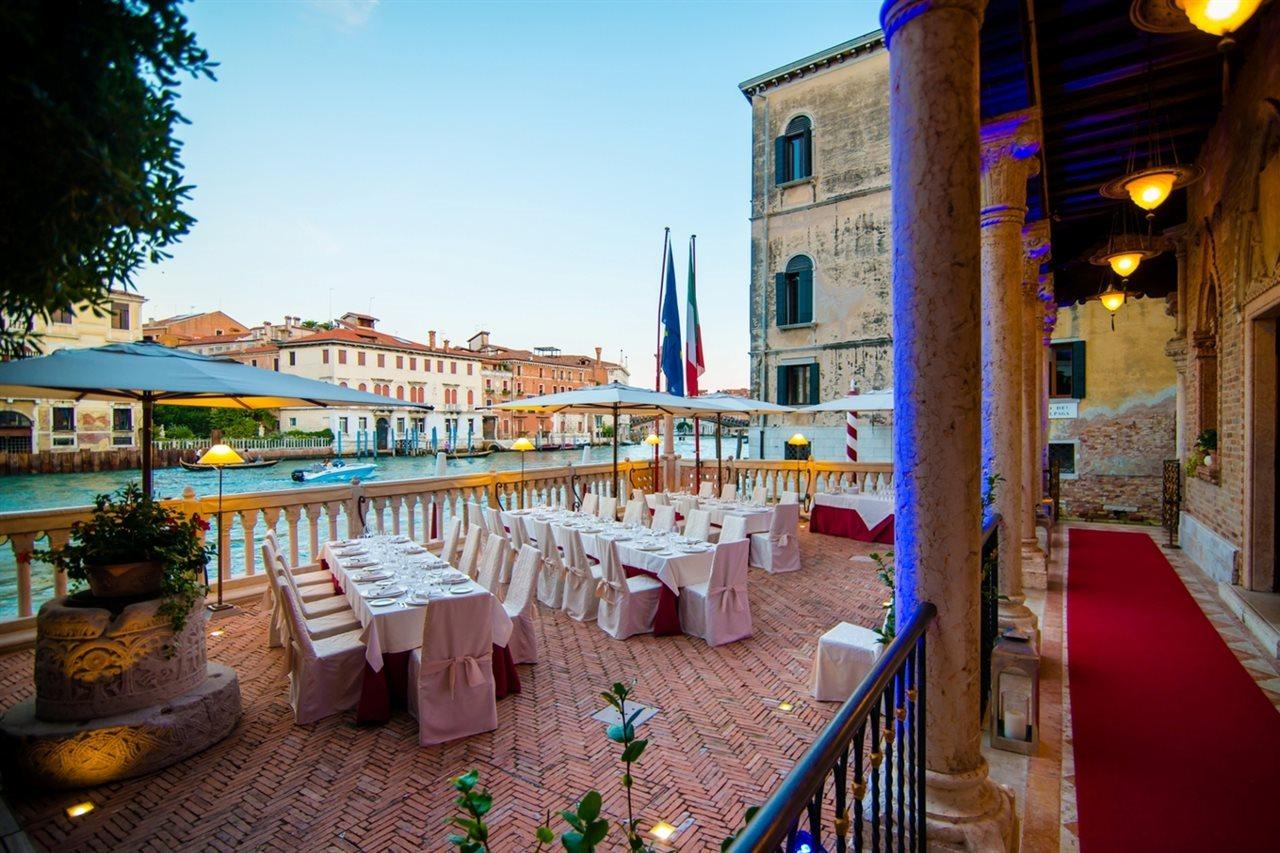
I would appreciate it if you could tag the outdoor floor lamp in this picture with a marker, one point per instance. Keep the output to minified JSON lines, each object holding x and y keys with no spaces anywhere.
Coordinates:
{"x":523,"y":445}
{"x":220,"y":456}
{"x":798,"y":441}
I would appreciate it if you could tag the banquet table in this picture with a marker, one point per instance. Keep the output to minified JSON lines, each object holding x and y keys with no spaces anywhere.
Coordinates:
{"x":758,"y":518}
{"x":866,"y":517}
{"x":675,"y":565}
{"x":391,"y":632}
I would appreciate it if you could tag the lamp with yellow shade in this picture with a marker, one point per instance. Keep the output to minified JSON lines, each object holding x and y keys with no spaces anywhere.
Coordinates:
{"x":219,"y":456}
{"x":523,"y":445}
{"x":1149,"y":188}
{"x":1218,"y":17}
{"x":798,"y":441}
{"x":653,"y":441}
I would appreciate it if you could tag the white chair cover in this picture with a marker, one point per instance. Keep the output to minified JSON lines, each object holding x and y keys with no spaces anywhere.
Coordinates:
{"x":719,"y":611}
{"x":452,"y":535}
{"x":707,"y":489}
{"x":637,"y":494}
{"x":451,"y":690}
{"x":469,"y":563}
{"x":697,"y":525}
{"x":608,"y":508}
{"x":634,"y":513}
{"x":497,"y":530}
{"x":789,"y":498}
{"x":628,"y":606}
{"x":590,"y":502}
{"x":315,"y":600}
{"x":277,"y":625}
{"x":311,"y":573}
{"x":664,"y":518}
{"x":580,"y":602}
{"x":521,"y":607}
{"x":325,"y":676}
{"x":733,"y":528}
{"x":491,"y":562}
{"x":318,"y":627}
{"x":729,"y":492}
{"x":660,"y":499}
{"x":759,"y":495}
{"x":551,"y":578}
{"x":779,"y":549}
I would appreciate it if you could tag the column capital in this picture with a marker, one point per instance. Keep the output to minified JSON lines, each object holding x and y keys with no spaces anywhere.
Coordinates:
{"x":1050,"y":303}
{"x":895,"y":13}
{"x":1035,"y":251}
{"x":1008,"y":144}
{"x":1176,"y":350}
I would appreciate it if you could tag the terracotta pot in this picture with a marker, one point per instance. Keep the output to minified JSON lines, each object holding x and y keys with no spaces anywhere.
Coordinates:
{"x":125,"y":580}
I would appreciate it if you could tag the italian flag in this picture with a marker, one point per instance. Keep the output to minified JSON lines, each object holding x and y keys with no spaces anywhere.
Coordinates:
{"x":694,"y":364}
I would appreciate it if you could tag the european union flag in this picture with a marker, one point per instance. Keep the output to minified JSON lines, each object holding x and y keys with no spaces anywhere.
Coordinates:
{"x":672,"y":351}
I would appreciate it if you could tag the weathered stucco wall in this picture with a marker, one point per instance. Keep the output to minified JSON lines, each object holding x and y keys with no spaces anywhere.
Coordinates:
{"x":1125,"y":424}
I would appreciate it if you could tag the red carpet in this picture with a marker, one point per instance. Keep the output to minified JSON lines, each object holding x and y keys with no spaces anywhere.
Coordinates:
{"x":1176,"y":747}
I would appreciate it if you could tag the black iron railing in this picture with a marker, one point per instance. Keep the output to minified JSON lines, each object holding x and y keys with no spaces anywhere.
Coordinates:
{"x":989,"y":611}
{"x":875,"y":745}
{"x":1171,"y":500}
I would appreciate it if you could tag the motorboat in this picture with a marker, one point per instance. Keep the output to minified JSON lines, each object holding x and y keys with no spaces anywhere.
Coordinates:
{"x":333,"y":471}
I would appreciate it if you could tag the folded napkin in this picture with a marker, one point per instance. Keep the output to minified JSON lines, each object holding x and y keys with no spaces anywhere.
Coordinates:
{"x":359,"y":563}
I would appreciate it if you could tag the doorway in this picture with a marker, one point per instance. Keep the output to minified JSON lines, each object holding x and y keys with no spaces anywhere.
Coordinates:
{"x":384,"y":430}
{"x":1262,"y":428}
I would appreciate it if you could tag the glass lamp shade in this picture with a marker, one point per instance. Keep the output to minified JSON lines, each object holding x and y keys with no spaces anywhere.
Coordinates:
{"x":1150,"y":190}
{"x":522,"y":444}
{"x":797,"y":440}
{"x":1112,"y":299}
{"x":652,"y":440}
{"x":220,"y":454}
{"x":1219,"y":17}
{"x":1124,"y":263}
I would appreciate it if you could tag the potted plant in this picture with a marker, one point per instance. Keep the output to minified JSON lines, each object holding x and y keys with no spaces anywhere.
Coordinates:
{"x":133,"y":547}
{"x":1202,"y":454}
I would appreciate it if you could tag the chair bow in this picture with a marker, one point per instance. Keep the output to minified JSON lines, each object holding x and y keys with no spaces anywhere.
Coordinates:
{"x":782,"y":539}
{"x":467,"y":663}
{"x":731,"y":597}
{"x":607,"y":590}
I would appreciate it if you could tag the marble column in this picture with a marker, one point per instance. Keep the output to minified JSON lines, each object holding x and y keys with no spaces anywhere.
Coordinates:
{"x":937,"y":362}
{"x":1035,"y":244}
{"x":1009,"y":146}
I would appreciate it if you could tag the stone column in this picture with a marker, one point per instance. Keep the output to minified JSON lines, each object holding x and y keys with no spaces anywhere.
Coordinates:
{"x":1009,"y":146}
{"x":1035,"y":243}
{"x":937,"y":361}
{"x":1048,"y":318}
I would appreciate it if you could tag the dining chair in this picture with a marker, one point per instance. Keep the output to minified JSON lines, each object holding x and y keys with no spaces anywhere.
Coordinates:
{"x":315,"y":600}
{"x":634,"y":513}
{"x":608,"y":508}
{"x":310,"y":585}
{"x":491,"y":561}
{"x":580,"y":602}
{"x":451,"y":688}
{"x":325,"y":675}
{"x":697,"y":525}
{"x":468,"y":563}
{"x":321,"y":626}
{"x":664,"y":518}
{"x":707,"y":489}
{"x":452,"y":533}
{"x":779,"y":549}
{"x":729,"y":492}
{"x":733,"y":528}
{"x":718,"y":609}
{"x":628,"y":606}
{"x":759,"y":495}
{"x":551,"y":578}
{"x":521,"y":605}
{"x":304,"y":574}
{"x":590,"y":501}
{"x":789,"y":498}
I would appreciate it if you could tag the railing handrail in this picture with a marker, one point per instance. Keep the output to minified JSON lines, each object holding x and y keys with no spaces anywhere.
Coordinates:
{"x":770,"y":825}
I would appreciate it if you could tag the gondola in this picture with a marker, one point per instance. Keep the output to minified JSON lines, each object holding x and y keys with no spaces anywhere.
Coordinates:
{"x":257,"y":463}
{"x":470,"y":454}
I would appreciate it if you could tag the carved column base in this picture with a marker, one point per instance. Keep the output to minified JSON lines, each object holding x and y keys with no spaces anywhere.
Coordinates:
{"x":1035,"y":567}
{"x":969,"y":811}
{"x":1014,"y":614}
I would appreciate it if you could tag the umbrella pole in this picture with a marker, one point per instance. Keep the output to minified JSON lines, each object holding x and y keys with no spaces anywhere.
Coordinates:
{"x":697,"y":455}
{"x":148,"y":404}
{"x":719,"y":463}
{"x":615,"y":451}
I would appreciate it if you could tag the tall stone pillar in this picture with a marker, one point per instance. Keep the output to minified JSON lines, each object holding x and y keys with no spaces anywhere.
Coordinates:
{"x":937,"y":361}
{"x":1035,"y":244}
{"x":1009,"y":146}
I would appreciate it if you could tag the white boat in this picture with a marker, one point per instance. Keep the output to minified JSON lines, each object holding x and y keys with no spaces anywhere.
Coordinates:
{"x":333,"y":471}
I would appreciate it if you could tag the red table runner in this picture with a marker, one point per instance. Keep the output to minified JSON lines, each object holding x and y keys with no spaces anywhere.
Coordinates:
{"x":840,"y":521}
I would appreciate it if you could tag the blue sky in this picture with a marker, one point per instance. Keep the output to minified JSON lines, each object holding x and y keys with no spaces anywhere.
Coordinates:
{"x":507,"y":166}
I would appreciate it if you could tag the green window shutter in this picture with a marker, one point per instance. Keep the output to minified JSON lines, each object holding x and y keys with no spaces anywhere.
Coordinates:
{"x":1077,"y":370}
{"x":782,"y":386}
{"x":780,"y":297}
{"x":813,"y":384}
{"x":780,"y":175}
{"x":804,"y":297}
{"x":806,"y":153}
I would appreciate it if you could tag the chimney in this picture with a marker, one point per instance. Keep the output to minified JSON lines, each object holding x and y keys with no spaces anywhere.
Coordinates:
{"x":431,"y":338}
{"x":446,"y":343}
{"x":598,"y":350}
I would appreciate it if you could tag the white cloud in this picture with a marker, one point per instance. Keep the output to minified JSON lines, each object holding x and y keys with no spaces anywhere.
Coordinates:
{"x":349,"y":13}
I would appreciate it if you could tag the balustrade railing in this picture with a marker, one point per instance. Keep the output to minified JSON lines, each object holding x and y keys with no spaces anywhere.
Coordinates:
{"x":807,"y":477}
{"x":861,"y":784}
{"x":282,"y":443}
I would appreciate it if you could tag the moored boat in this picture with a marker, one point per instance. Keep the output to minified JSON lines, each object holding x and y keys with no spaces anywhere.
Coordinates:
{"x":256,"y":463}
{"x":333,"y":471}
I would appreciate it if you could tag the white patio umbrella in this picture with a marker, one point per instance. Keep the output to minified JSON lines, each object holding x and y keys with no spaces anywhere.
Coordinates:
{"x":874,"y":401}
{"x":150,"y":373}
{"x":747,"y":406}
{"x":616,"y":399}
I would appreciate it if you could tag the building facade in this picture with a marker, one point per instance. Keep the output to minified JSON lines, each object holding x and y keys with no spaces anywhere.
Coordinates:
{"x":820,"y":248}
{"x":42,"y":426}
{"x":183,"y":328}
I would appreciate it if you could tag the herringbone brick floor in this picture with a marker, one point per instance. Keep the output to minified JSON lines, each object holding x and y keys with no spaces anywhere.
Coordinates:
{"x":718,"y":745}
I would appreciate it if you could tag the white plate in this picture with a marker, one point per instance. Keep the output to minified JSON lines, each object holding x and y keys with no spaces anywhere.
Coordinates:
{"x":419,"y":599}
{"x":460,"y":590}
{"x":456,"y":579}
{"x":382,"y":602}
{"x":369,"y":577}
{"x":650,"y":547}
{"x":390,"y":592}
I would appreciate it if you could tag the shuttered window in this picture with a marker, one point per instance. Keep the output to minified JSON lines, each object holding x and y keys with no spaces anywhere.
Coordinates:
{"x":794,"y":292}
{"x":793,"y":151}
{"x":797,"y":384}
{"x":1066,"y":378}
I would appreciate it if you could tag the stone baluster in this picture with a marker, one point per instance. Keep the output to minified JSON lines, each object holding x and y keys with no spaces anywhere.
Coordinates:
{"x":271,"y":518}
{"x":377,"y":505}
{"x":23,"y":544}
{"x":1009,"y":147}
{"x":292,"y":514}
{"x":313,"y":530}
{"x":937,"y":365}
{"x":58,"y":539}
{"x":248,"y":531}
{"x":411,"y":528}
{"x":331,"y":511}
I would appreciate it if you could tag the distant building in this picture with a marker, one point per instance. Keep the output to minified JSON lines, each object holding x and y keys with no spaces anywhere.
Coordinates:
{"x":820,"y":239}
{"x":184,"y":328}
{"x":28,"y":425}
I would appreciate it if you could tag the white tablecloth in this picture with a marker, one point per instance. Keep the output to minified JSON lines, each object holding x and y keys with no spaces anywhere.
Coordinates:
{"x":872,"y":508}
{"x":398,"y":627}
{"x":758,"y":518}
{"x":674,"y":568}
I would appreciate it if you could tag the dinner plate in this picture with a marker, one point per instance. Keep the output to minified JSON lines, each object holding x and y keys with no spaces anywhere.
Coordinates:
{"x":369,"y":577}
{"x":359,"y":564}
{"x":460,"y":590}
{"x":649,"y":547}
{"x":456,"y":579}
{"x":389,"y":592}
{"x":382,"y":602}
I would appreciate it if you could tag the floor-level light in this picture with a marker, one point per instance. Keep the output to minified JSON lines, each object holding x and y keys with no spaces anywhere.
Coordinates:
{"x":80,"y":809}
{"x":662,"y":830}
{"x":220,"y":456}
{"x":523,"y":445}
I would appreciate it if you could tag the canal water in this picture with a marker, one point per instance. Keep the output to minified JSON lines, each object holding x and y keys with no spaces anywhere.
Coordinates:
{"x":46,"y":491}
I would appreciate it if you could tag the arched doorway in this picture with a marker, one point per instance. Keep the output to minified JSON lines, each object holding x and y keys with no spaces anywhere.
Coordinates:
{"x":384,"y":433}
{"x":15,"y":432}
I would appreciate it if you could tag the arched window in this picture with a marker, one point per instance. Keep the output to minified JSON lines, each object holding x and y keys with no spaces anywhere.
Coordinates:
{"x":363,"y":387}
{"x":793,"y":151}
{"x":399,"y":392}
{"x":795,"y":292}
{"x":471,"y":398}
{"x":342,"y":385}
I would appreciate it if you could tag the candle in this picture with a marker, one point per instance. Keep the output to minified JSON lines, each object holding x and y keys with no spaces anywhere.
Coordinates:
{"x":1015,"y":725}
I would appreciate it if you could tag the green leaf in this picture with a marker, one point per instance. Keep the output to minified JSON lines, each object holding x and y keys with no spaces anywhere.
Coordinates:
{"x":596,"y":832}
{"x":573,"y":842}
{"x":482,"y":802}
{"x":589,"y":808}
{"x":626,"y":780}
{"x":572,"y":818}
{"x":634,"y":750}
{"x":545,"y":835}
{"x":610,"y":698}
{"x":616,"y":733}
{"x":631,"y":719}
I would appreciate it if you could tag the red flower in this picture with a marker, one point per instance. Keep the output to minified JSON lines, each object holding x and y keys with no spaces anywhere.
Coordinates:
{"x":200,"y":522}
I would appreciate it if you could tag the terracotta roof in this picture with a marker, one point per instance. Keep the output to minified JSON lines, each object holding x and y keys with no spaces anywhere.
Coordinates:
{"x":215,"y":339}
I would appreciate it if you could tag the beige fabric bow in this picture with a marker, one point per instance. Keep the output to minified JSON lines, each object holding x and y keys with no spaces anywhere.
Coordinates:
{"x":607,"y":591}
{"x":471,"y":665}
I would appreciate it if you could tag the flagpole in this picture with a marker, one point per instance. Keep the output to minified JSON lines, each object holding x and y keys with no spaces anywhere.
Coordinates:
{"x":657,"y":352}
{"x":697,"y":429}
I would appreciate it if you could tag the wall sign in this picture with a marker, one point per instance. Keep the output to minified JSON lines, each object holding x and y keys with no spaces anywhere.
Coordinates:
{"x":1062,"y":409}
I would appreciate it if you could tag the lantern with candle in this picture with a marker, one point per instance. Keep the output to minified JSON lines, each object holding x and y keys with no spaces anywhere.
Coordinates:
{"x":1015,"y":689}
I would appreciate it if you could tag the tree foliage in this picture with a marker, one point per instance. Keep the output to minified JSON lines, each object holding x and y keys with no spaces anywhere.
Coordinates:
{"x":90,"y":177}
